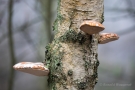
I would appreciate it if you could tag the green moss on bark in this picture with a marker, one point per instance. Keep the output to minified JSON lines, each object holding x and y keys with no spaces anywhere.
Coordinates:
{"x":78,"y":46}
{"x":102,"y":17}
{"x":72,"y":36}
{"x":53,"y":62}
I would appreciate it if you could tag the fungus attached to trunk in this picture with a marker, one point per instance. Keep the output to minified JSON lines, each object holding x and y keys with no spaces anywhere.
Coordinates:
{"x":107,"y":37}
{"x":36,"y":68}
{"x":91,"y":27}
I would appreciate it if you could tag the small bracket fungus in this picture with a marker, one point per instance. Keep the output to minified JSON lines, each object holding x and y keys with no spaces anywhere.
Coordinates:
{"x":91,"y":27}
{"x":36,"y":68}
{"x":107,"y":37}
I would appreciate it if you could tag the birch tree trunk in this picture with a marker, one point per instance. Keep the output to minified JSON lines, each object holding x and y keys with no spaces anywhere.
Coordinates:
{"x":72,"y":57}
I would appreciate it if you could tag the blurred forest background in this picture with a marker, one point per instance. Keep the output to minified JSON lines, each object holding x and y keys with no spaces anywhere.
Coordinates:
{"x":31,"y":29}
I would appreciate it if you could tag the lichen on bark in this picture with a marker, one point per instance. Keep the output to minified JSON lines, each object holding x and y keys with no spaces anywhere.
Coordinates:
{"x":72,"y":55}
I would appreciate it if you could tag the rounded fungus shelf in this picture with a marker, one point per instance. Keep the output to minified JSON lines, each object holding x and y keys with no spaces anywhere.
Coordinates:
{"x":107,"y":37}
{"x":34,"y":68}
{"x":91,"y":27}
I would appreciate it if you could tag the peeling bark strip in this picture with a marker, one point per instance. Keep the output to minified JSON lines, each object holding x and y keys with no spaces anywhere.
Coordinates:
{"x":72,"y":56}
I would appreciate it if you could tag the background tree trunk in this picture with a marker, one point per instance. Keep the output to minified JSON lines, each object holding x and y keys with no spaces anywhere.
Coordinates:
{"x":72,"y":56}
{"x":11,"y":45}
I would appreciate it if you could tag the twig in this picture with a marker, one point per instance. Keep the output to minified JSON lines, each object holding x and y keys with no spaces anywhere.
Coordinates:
{"x":11,"y":46}
{"x":32,"y":22}
{"x":47,"y":6}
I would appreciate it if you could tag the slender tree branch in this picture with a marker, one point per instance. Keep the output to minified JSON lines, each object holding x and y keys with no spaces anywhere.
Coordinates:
{"x":47,"y":6}
{"x":11,"y":46}
{"x":32,"y":22}
{"x":33,"y":45}
{"x":48,"y":21}
{"x":32,"y":8}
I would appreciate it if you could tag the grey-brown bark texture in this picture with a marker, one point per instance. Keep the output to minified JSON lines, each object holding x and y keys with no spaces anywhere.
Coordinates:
{"x":72,"y":56}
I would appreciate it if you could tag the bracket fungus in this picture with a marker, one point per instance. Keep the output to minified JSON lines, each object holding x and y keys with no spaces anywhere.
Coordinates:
{"x":91,"y":27}
{"x":36,"y":68}
{"x":107,"y":37}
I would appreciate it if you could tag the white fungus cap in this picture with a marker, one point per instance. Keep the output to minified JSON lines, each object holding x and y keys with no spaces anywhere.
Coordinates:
{"x":34,"y":68}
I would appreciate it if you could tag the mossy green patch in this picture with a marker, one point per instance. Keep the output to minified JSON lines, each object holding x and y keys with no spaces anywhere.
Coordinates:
{"x":102,"y":17}
{"x":58,"y":19}
{"x":73,"y":36}
{"x":53,"y":62}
